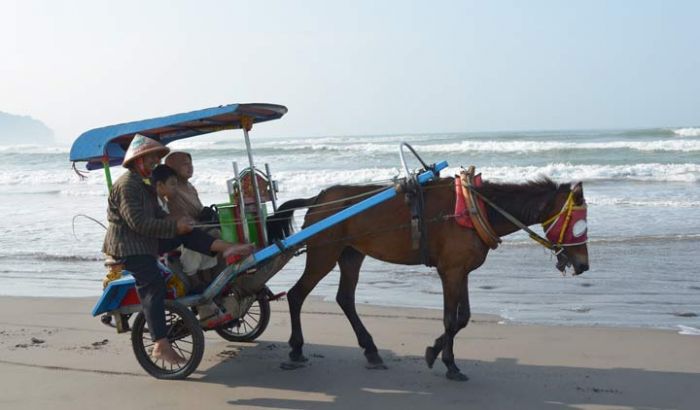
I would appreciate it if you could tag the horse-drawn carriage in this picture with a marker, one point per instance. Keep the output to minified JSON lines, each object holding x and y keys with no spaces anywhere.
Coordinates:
{"x":239,"y":291}
{"x":385,"y":228}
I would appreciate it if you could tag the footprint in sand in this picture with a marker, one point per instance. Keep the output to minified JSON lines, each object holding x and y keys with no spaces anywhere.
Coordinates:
{"x":228,"y":354}
{"x":96,"y":345}
{"x":34,"y":342}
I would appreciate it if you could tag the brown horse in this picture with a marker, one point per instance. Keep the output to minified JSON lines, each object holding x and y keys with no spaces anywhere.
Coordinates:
{"x":384,"y":233}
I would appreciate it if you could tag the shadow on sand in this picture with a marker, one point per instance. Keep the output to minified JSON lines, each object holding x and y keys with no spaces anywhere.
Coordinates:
{"x":335,"y":377}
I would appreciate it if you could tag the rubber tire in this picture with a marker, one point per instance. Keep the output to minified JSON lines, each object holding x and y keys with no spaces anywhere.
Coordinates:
{"x":258,"y":330}
{"x":143,"y":357}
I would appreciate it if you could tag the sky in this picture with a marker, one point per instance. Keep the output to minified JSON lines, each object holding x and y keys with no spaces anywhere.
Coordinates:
{"x":355,"y":67}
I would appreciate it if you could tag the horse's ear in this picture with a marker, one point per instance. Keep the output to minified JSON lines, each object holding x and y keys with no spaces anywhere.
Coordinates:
{"x":577,"y":189}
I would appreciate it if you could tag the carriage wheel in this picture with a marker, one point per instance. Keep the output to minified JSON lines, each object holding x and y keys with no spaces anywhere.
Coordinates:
{"x":251,"y":325}
{"x":184,"y":334}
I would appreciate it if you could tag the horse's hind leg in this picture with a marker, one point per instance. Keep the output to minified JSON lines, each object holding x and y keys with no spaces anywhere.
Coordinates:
{"x":350,"y":262}
{"x":318,"y":263}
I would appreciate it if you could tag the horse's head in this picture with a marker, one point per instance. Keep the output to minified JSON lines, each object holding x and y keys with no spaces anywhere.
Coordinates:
{"x":566,"y":228}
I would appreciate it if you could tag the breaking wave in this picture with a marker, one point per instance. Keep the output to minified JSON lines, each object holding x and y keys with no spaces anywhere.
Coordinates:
{"x":309,"y":181}
{"x":42,"y":256}
{"x":687,"y":132}
{"x":34,"y":149}
{"x":483,"y":146}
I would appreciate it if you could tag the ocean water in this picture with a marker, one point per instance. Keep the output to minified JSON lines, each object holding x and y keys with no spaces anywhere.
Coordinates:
{"x":642,"y":187}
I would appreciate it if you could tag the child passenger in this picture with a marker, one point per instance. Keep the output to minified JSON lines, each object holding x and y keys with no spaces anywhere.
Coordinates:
{"x":166,"y":184}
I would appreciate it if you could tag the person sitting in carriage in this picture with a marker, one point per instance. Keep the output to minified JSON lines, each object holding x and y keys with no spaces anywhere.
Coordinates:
{"x":184,"y":201}
{"x":192,"y":264}
{"x":138,"y":233}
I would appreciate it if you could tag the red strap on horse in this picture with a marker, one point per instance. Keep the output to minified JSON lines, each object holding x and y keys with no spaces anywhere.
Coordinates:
{"x":470,"y":210}
{"x":461,"y":214}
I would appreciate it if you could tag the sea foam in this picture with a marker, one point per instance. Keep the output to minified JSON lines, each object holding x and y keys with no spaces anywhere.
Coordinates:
{"x":688,"y":330}
{"x":687,"y":132}
{"x":213,"y":180}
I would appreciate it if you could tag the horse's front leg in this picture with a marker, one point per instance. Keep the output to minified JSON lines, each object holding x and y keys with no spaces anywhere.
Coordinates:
{"x":456,"y":315}
{"x":318,"y":265}
{"x":350,"y":262}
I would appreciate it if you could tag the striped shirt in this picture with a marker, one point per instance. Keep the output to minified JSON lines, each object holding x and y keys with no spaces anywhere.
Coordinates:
{"x":135,"y":219}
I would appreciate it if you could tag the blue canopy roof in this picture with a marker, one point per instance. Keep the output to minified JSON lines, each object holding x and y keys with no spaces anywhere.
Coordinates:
{"x":113,"y":141}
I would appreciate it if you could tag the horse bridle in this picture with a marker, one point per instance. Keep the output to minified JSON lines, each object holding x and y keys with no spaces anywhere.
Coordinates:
{"x":573,"y":229}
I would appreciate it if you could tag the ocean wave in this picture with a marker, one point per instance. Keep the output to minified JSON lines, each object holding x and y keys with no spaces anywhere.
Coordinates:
{"x":619,"y":239}
{"x":34,"y":192}
{"x":53,"y":178}
{"x":543,"y":146}
{"x":34,"y":149}
{"x":48,"y":257}
{"x":567,"y":172}
{"x":658,"y":203}
{"x":210,"y":180}
{"x":688,"y":330}
{"x":84,"y":193}
{"x":296,"y":180}
{"x":687,"y":132}
{"x":470,"y":145}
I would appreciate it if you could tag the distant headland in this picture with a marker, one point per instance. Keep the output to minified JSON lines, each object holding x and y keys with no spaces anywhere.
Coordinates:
{"x":23,"y":129}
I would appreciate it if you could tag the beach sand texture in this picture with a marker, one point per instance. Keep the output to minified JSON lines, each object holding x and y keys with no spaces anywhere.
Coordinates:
{"x":54,"y":355}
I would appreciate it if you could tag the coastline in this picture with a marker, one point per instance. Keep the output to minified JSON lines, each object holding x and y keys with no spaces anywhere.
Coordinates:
{"x":79,"y":360}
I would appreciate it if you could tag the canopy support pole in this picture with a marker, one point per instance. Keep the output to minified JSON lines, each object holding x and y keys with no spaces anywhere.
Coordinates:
{"x":247,"y":125}
{"x":108,"y":173}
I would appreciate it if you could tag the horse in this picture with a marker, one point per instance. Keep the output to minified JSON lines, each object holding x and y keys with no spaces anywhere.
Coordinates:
{"x":384,"y":233}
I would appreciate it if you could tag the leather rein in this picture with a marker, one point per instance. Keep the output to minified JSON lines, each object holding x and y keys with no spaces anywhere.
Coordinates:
{"x":572,"y":227}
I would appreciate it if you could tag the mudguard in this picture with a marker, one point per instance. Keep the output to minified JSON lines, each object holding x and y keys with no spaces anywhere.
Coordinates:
{"x":114,"y":294}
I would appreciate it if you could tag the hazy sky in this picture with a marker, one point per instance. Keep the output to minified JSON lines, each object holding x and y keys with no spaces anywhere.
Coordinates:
{"x":355,"y":67}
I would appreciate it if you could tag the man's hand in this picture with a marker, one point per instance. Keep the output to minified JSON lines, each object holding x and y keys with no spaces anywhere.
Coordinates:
{"x":243,"y":249}
{"x":184,"y":225}
{"x":235,"y":252}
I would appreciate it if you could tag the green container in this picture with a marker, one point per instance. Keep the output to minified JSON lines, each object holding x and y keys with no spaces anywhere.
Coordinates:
{"x":227,"y":220}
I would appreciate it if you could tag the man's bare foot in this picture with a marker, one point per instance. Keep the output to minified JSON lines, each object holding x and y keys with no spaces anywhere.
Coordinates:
{"x":163,"y":351}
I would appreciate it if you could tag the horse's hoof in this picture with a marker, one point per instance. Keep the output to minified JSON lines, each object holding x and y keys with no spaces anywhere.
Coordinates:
{"x":376,"y":366}
{"x":457,"y":376}
{"x":374,"y":361}
{"x":298,"y":358}
{"x":430,"y":356}
{"x":292,"y":365}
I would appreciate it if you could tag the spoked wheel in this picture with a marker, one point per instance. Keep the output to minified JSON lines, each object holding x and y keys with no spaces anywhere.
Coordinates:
{"x":251,"y":325}
{"x":184,"y":334}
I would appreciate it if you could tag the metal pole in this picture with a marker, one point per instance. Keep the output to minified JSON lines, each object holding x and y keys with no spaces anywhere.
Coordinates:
{"x":241,"y":205}
{"x":258,"y":201}
{"x":272,"y":187}
{"x":262,"y":232}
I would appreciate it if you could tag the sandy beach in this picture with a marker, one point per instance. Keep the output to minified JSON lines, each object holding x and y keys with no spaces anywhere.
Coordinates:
{"x":53,"y":354}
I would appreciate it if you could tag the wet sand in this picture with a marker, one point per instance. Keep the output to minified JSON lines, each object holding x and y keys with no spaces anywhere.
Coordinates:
{"x":54,"y":355}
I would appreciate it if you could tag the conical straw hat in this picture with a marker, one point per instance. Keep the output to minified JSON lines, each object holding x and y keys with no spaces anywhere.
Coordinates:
{"x":142,"y":145}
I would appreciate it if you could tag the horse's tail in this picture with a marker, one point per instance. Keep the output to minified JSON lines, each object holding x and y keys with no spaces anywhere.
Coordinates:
{"x":279,"y":224}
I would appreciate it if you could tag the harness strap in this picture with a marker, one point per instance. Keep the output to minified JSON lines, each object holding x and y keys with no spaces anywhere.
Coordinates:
{"x":416,"y":202}
{"x":479,"y":220}
{"x":533,"y":235}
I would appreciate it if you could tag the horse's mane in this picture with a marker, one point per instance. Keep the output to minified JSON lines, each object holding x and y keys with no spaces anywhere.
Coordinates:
{"x":526,"y":201}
